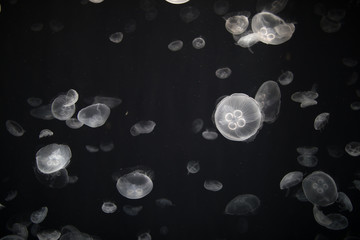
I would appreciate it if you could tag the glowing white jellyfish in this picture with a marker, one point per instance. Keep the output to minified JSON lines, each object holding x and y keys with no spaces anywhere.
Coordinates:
{"x":291,"y":179}
{"x":14,"y":128}
{"x":286,"y":78}
{"x":53,"y":158}
{"x":236,"y":23}
{"x":189,"y":14}
{"x":144,"y":236}
{"x":45,"y":133}
{"x":193,"y":167}
{"x":177,"y":1}
{"x":134,"y":185}
{"x":245,"y":204}
{"x":175,"y":45}
{"x":223,"y":73}
{"x":132,"y":210}
{"x":305,"y":98}
{"x":353,"y":149}
{"x":39,"y":215}
{"x":142,"y":127}
{"x":116,"y":37}
{"x":73,"y":123}
{"x":108,"y":207}
{"x":198,"y":43}
{"x":96,"y":1}
{"x":61,"y":108}
{"x":321,"y":120}
{"x":48,"y":234}
{"x":94,"y":115}
{"x":209,"y":134}
{"x":213,"y":185}
{"x":268,"y":97}
{"x":238,"y":117}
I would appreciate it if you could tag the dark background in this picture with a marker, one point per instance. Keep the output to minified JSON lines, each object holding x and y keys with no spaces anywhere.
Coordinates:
{"x":173,"y":89}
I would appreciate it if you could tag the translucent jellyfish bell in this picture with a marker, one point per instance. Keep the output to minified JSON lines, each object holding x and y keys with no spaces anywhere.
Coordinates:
{"x":39,"y":215}
{"x":353,"y":149}
{"x":52,"y":158}
{"x":116,"y":37}
{"x":213,"y":185}
{"x":269,"y":99}
{"x":61,"y":109}
{"x":321,"y":120}
{"x":333,"y":221}
{"x":245,"y":204}
{"x":14,"y":128}
{"x":189,"y":14}
{"x":198,"y":43}
{"x":94,"y":115}
{"x":134,"y":185}
{"x":286,"y":78}
{"x":175,"y":45}
{"x":238,"y":117}
{"x":291,"y":179}
{"x":236,"y":24}
{"x":177,"y":1}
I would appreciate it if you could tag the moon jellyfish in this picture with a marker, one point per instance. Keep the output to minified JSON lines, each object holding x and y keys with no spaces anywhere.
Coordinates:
{"x":116,"y":37}
{"x":307,"y":150}
{"x":175,"y":45}
{"x":111,"y":102}
{"x":42,"y":112}
{"x":213,"y":185}
{"x":198,"y":43}
{"x":193,"y":167}
{"x":96,"y":1}
{"x":269,"y":99}
{"x":197,"y":125}
{"x":73,"y":123}
{"x":94,"y":115}
{"x":332,"y":221}
{"x":38,"y":216}
{"x":221,"y":7}
{"x":321,"y":120}
{"x":286,"y":78}
{"x":236,"y":23}
{"x":134,"y":185}
{"x":177,"y":1}
{"x":144,"y":236}
{"x":328,"y":25}
{"x":189,"y":14}
{"x":307,"y":160}
{"x":320,"y":189}
{"x":56,"y":25}
{"x":164,"y":202}
{"x":353,"y":149}
{"x":300,"y":195}
{"x":223,"y":73}
{"x":306,"y":98}
{"x":355,"y":106}
{"x":108,"y":207}
{"x":106,"y":146}
{"x":12,"y":237}
{"x":142,"y":127}
{"x":45,"y":133}
{"x":73,"y":179}
{"x":48,"y":235}
{"x":34,"y":101}
{"x":11,"y":195}
{"x":132,"y":210}
{"x":91,"y":148}
{"x":349,"y":62}
{"x":291,"y":179}
{"x":273,"y":6}
{"x":209,"y":134}
{"x":238,"y":117}
{"x":14,"y":128}
{"x":344,"y":202}
{"x":335,"y":151}
{"x":245,"y":204}
{"x":52,"y":158}
{"x":61,"y":109}
{"x":71,"y":97}
{"x":58,"y":179}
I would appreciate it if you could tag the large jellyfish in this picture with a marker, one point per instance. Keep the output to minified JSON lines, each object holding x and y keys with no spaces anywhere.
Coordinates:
{"x":213,"y":185}
{"x":238,"y":117}
{"x":134,"y":185}
{"x":269,"y":99}
{"x":108,"y":207}
{"x":39,"y":215}
{"x":94,"y":115}
{"x":53,"y":157}
{"x":245,"y":204}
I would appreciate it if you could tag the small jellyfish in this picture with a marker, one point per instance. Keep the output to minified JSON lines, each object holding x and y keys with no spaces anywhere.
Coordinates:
{"x":91,"y":148}
{"x":193,"y":167}
{"x":189,"y":14}
{"x":221,"y":7}
{"x":73,"y":179}
{"x":106,"y":146}
{"x":130,"y":26}
{"x":273,"y":6}
{"x":151,"y":13}
{"x":14,"y":128}
{"x":349,"y":62}
{"x":73,"y":123}
{"x":198,"y":43}
{"x":352,"y":79}
{"x":355,"y":106}
{"x":49,"y":234}
{"x":38,"y":216}
{"x":286,"y":78}
{"x":344,"y":202}
{"x":209,"y":134}
{"x":268,"y":97}
{"x":213,"y":185}
{"x":321,"y":120}
{"x":144,"y":236}
{"x":353,"y":149}
{"x":94,"y":115}
{"x":45,"y":133}
{"x":53,"y":158}
{"x":238,"y":117}
{"x":111,"y":102}
{"x":164,"y":230}
{"x":197,"y":125}
{"x":320,"y":189}
{"x":329,"y":26}
{"x":164,"y":202}
{"x":42,"y":112}
{"x":307,"y":150}
{"x":300,"y":195}
{"x":223,"y":73}
{"x":116,"y":37}
{"x":132,"y":210}
{"x":291,"y":179}
{"x":34,"y":101}
{"x":61,"y":109}
{"x":306,"y":98}
{"x":134,"y":185}
{"x":108,"y":207}
{"x":175,"y":45}
{"x":307,"y":160}
{"x":245,"y":204}
{"x":37,"y":27}
{"x":142,"y":127}
{"x":177,"y":1}
{"x":11,"y":195}
{"x":58,"y":179}
{"x":72,"y":97}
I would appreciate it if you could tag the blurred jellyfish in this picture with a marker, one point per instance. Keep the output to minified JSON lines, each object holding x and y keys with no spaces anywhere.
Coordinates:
{"x":344,"y":202}
{"x":328,"y":25}
{"x":45,"y":133}
{"x":236,"y":23}
{"x":38,"y":216}
{"x":164,"y":230}
{"x":73,"y":179}
{"x":151,"y":13}
{"x":333,"y":221}
{"x":349,"y":62}
{"x":238,"y":117}
{"x":336,"y":14}
{"x":116,"y":37}
{"x":96,"y":1}
{"x":213,"y":185}
{"x":58,"y":179}
{"x":37,"y":27}
{"x":61,"y":109}
{"x":223,"y":73}
{"x":286,"y":78}
{"x":221,"y":7}
{"x":291,"y":179}
{"x":48,"y":234}
{"x":300,"y":195}
{"x":164,"y":202}
{"x":130,"y":26}
{"x":320,"y":189}
{"x":108,"y":207}
{"x":12,"y":237}
{"x":132,"y":210}
{"x":34,"y":101}
{"x":73,"y":123}
{"x":245,"y":204}
{"x":106,"y":146}
{"x":11,"y":195}
{"x":91,"y":148}
{"x":335,"y":151}
{"x":142,"y":127}
{"x":355,"y":106}
{"x":134,"y":185}
{"x":175,"y":45}
{"x":189,"y":14}
{"x":306,"y":98}
{"x":307,"y":160}
{"x":273,"y":6}
{"x":111,"y":102}
{"x":71,"y":97}
{"x":144,"y":236}
{"x":353,"y":149}
{"x":19,"y":229}
{"x":14,"y":128}
{"x":56,"y":26}
{"x":42,"y":112}
{"x":94,"y":115}
{"x":177,"y":1}
{"x":198,"y":43}
{"x":321,"y":120}
{"x":356,"y":184}
{"x":209,"y":134}
{"x":197,"y":125}
{"x":193,"y":167}
{"x":269,"y":99}
{"x":53,"y":157}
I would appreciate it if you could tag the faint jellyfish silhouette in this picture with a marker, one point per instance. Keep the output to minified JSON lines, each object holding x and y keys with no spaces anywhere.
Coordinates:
{"x":42,"y":112}
{"x":48,"y":234}
{"x":11,"y":195}
{"x":39,"y":215}
{"x":111,"y":102}
{"x":189,"y":14}
{"x":353,"y":149}
{"x":197,"y":125}
{"x":193,"y":167}
{"x":94,"y":115}
{"x":320,"y":188}
{"x":209,"y":134}
{"x":116,"y":37}
{"x":269,"y":99}
{"x":344,"y":202}
{"x":349,"y":62}
{"x":286,"y":78}
{"x":45,"y":133}
{"x":92,"y":148}
{"x":273,"y":6}
{"x":142,"y":127}
{"x":236,"y":23}
{"x":73,"y":123}
{"x":333,"y":221}
{"x":221,"y":7}
{"x":177,"y":1}
{"x":58,"y":179}
{"x":329,"y":26}
{"x":223,"y":73}
{"x":144,"y":236}
{"x":356,"y":184}
{"x":12,"y":237}
{"x":19,"y":229}
{"x":73,"y":179}
{"x":213,"y":185}
{"x":34,"y":101}
{"x":164,"y":230}
{"x":175,"y":45}
{"x":164,"y":203}
{"x":132,"y":210}
{"x":352,"y":80}
{"x":151,"y":13}
{"x":198,"y":43}
{"x":300,"y":195}
{"x":130,"y":26}
{"x":335,"y":151}
{"x":37,"y":27}
{"x":355,"y":106}
{"x":106,"y":146}
{"x":291,"y":179}
{"x":108,"y":207}
{"x":307,"y":160}
{"x":321,"y":120}
{"x":61,"y":109}
{"x":96,"y":1}
{"x":245,"y":204}
{"x":307,"y":150}
{"x":238,"y":117}
{"x":14,"y":128}
{"x":134,"y":185}
{"x":52,"y":158}
{"x":336,"y":14}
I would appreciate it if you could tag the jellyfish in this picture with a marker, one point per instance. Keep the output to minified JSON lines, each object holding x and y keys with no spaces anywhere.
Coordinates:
{"x":307,"y":150}
{"x":53,"y":157}
{"x":269,"y":99}
{"x":144,"y":236}
{"x":193,"y":167}
{"x":94,"y":115}
{"x":291,"y":179}
{"x":238,"y":117}
{"x":221,"y":7}
{"x":45,"y":133}
{"x":300,"y":195}
{"x":56,"y":25}
{"x":108,"y":207}
{"x":189,"y":14}
{"x":58,"y":179}
{"x":328,"y":25}
{"x":42,"y":112}
{"x":73,"y":123}
{"x":116,"y":37}
{"x":307,"y":160}
{"x":164,"y":202}
{"x":213,"y":185}
{"x":132,"y":210}
{"x":38,"y":216}
{"x":12,"y":237}
{"x":353,"y":149}
{"x":34,"y":101}
{"x":209,"y":134}
{"x":142,"y":127}
{"x":130,"y":26}
{"x":73,"y":179}
{"x":134,"y":185}
{"x":61,"y":109}
{"x":164,"y":230}
{"x":91,"y":148}
{"x":344,"y":202}
{"x":20,"y":230}
{"x":335,"y":151}
{"x":245,"y":204}
{"x":332,"y":221}
{"x":236,"y":23}
{"x":321,"y":120}
{"x":48,"y":234}
{"x":11,"y":195}
{"x":96,"y":1}
{"x":306,"y":98}
{"x":177,"y":1}
{"x":111,"y":102}
{"x":106,"y":146}
{"x":14,"y":128}
{"x":272,"y":6}
{"x":355,"y":106}
{"x":286,"y":78}
{"x":37,"y":27}
{"x":349,"y":62}
{"x":336,"y":14}
{"x":175,"y":45}
{"x":223,"y":73}
{"x":197,"y":125}
{"x":320,"y":188}
{"x":198,"y":43}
